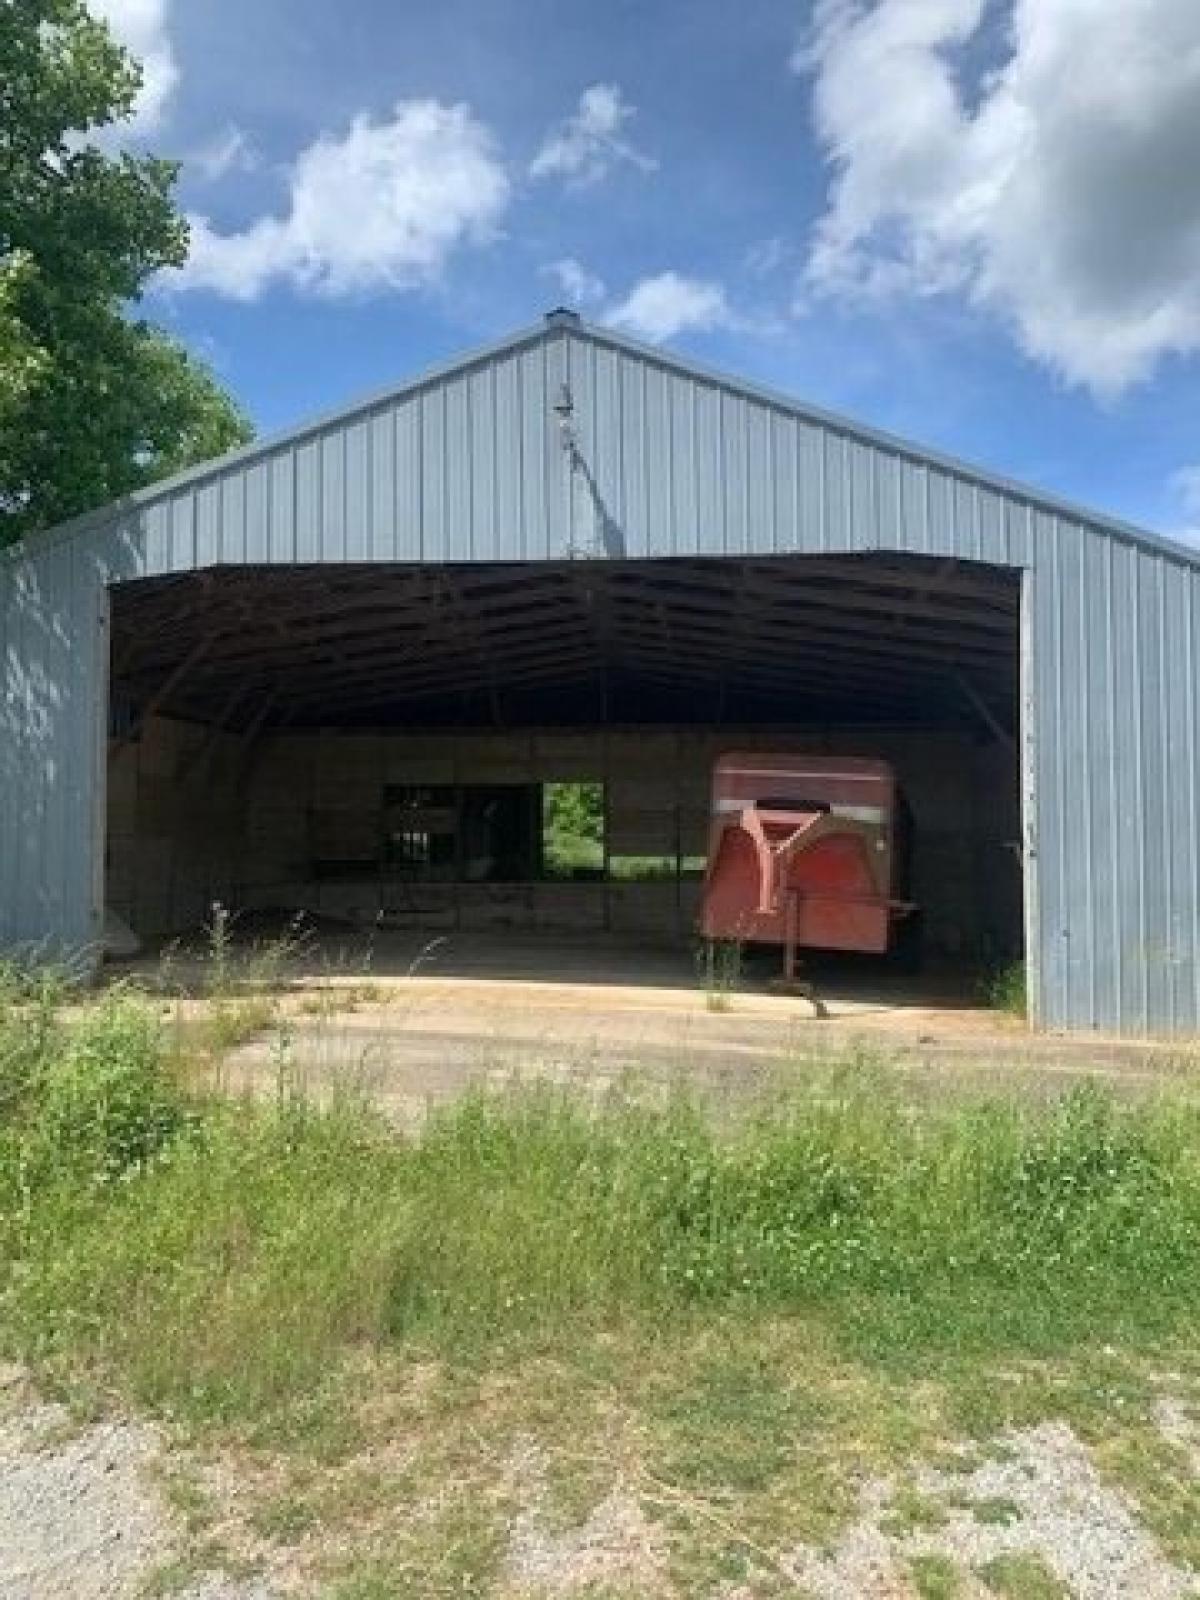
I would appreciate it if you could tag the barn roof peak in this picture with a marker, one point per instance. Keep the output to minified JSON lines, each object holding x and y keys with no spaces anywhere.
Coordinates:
{"x":564,"y":323}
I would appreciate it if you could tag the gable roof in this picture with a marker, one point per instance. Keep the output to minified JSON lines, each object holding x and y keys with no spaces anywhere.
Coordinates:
{"x":561,"y":323}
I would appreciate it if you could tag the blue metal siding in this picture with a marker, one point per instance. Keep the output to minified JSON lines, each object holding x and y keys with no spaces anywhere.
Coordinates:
{"x":53,"y":686}
{"x":469,"y":466}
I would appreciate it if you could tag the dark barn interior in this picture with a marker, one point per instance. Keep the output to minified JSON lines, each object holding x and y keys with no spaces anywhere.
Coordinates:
{"x":384,"y":745}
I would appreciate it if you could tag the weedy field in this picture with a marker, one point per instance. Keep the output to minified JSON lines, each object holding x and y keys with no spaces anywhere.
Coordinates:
{"x":832,"y":1342}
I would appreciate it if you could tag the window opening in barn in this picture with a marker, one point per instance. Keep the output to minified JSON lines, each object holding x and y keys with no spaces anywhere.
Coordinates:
{"x":573,"y":831}
{"x":499,"y":832}
{"x":518,"y":833}
{"x":470,"y":833}
{"x":420,"y":825}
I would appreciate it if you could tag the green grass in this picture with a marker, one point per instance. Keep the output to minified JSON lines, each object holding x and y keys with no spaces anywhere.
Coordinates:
{"x":1022,"y":1577}
{"x":736,"y":1319}
{"x":290,"y":1235}
{"x":719,"y":968}
{"x":935,"y":1577}
{"x":1007,"y":989}
{"x":998,"y":1513}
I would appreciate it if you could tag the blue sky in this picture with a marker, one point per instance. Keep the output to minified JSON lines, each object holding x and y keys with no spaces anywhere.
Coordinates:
{"x":972,"y":222}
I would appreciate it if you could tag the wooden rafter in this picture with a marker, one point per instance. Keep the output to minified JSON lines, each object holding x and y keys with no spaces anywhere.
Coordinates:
{"x":897,"y":632}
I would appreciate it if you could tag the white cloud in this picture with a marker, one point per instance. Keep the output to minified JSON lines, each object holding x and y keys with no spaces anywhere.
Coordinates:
{"x":381,"y":208}
{"x":658,"y":308}
{"x":580,"y":286}
{"x":585,"y":147}
{"x":1062,"y":191}
{"x":141,"y":26}
{"x":230,"y":151}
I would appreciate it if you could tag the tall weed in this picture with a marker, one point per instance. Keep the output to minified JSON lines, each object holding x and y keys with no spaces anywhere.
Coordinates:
{"x":224,"y":1257}
{"x":105,"y":1103}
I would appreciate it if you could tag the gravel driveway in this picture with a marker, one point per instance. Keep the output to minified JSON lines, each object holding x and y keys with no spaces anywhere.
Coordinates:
{"x":81,"y":1515}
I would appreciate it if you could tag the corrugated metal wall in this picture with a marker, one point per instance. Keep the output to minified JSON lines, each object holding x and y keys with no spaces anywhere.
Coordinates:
{"x":54,"y":683}
{"x":469,"y":466}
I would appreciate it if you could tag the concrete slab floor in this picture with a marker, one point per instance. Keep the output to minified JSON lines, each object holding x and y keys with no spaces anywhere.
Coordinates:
{"x":443,"y":1014}
{"x":596,"y":960}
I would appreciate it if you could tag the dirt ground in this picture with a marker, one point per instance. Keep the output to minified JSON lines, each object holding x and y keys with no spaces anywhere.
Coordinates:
{"x":431,"y":1017}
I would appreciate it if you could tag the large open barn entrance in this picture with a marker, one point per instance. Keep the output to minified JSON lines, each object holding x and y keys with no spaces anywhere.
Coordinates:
{"x":525,"y":750}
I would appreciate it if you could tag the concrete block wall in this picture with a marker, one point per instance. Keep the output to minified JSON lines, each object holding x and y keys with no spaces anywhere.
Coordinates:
{"x":183,"y":831}
{"x":319,"y":796}
{"x":174,"y":836}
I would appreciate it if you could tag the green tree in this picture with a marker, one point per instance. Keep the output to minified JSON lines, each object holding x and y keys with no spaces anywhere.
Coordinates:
{"x":576,"y":809}
{"x":94,"y":401}
{"x":573,"y":829}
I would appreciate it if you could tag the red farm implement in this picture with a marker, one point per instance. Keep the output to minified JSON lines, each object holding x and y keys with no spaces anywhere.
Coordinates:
{"x":806,"y":852}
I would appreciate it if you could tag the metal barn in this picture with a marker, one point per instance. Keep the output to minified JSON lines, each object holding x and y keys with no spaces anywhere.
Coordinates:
{"x":568,"y":558}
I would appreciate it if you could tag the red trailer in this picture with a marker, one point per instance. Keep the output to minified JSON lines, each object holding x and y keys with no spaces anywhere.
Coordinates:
{"x":806,"y":852}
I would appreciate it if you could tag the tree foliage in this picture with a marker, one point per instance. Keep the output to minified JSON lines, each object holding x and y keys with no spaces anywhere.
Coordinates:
{"x":576,"y":809}
{"x":94,"y":401}
{"x":573,"y":829}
